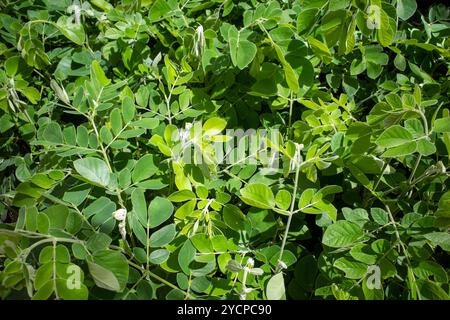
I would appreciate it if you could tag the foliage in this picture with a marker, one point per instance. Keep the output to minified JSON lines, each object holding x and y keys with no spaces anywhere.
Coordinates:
{"x":99,"y":103}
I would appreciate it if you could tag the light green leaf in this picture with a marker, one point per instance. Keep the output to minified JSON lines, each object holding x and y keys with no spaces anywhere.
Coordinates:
{"x":181,"y":196}
{"x":394,"y":136}
{"x":214,"y":126}
{"x":305,"y":19}
{"x":109,"y":270}
{"x":379,"y":216}
{"x":242,"y":51}
{"x":425,"y":147}
{"x":386,"y":33}
{"x":258,"y":195}
{"x":103,"y":277}
{"x":442,"y":125}
{"x":353,"y":269}
{"x":402,"y":150}
{"x":342,"y":234}
{"x":275,"y":288}
{"x":406,"y":8}
{"x":283,"y":199}
{"x":11,"y":65}
{"x":159,"y":256}
{"x":441,"y":239}
{"x":73,"y":31}
{"x":93,"y":169}
{"x":98,"y":75}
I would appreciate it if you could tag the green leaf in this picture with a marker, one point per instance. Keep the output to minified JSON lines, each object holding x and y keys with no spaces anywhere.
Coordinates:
{"x":306,"y":19}
{"x":400,"y":62}
{"x":181,"y":196}
{"x":401,"y":150}
{"x":32,"y":94}
{"x":320,"y":49}
{"x":214,"y":126}
{"x":73,"y":31}
{"x":62,"y":254}
{"x":242,"y":51}
{"x":109,"y":270}
{"x":363,"y":253}
{"x":139,"y":205}
{"x":163,"y":236}
{"x":342,"y":234}
{"x":275,"y":288}
{"x":103,"y":277}
{"x":352,"y":269}
{"x":432,"y":291}
{"x":57,"y":216}
{"x":386,"y":32}
{"x":442,"y":125}
{"x":425,"y":147}
{"x":145,"y":168}
{"x":159,"y":210}
{"x":379,"y":216}
{"x":283,"y":199}
{"x":159,"y":256}
{"x":42,"y":223}
{"x":186,"y":209}
{"x":291,"y":77}
{"x":425,"y":269}
{"x":394,"y":136}
{"x":444,"y":206}
{"x":406,"y":8}
{"x":306,"y":197}
{"x":98,"y":75}
{"x":128,"y":109}
{"x":441,"y":239}
{"x":12,"y":65}
{"x":76,"y":293}
{"x":147,"y":123}
{"x":159,"y":10}
{"x":186,"y":256}
{"x":233,"y":217}
{"x":358,"y":215}
{"x":394,"y":101}
{"x":93,"y":169}
{"x":53,"y":133}
{"x":44,"y":292}
{"x":258,"y":195}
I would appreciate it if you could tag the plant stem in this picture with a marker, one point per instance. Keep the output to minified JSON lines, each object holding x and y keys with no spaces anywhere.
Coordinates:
{"x":425,"y":125}
{"x":154,"y":275}
{"x":291,"y":213}
{"x":416,"y":165}
{"x":291,"y":103}
{"x":106,"y":158}
{"x":402,"y":245}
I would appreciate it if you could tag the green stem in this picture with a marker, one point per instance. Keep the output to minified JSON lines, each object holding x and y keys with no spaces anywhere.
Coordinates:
{"x":291,"y":213}
{"x":105,"y":157}
{"x":291,"y":103}
{"x":380,"y":176}
{"x":402,"y":245}
{"x":416,"y":165}
{"x":154,"y":275}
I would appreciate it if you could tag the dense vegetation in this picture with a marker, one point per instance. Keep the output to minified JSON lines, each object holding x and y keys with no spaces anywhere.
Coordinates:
{"x":102,"y":103}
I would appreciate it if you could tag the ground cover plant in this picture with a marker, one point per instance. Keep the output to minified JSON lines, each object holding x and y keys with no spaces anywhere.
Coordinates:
{"x":224,"y":149}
